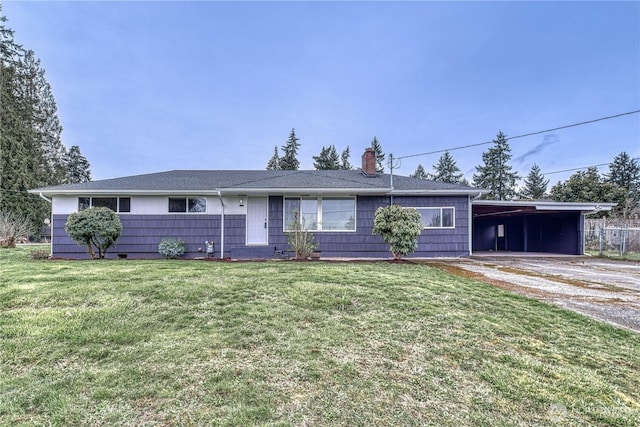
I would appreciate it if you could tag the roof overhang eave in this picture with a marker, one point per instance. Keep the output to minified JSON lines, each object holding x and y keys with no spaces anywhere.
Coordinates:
{"x":549,"y":206}
{"x":212,"y":191}
{"x":132,"y":192}
{"x":304,"y":190}
{"x":438,"y":192}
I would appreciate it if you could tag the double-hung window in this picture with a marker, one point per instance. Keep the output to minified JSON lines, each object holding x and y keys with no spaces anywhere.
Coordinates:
{"x":437,"y":217}
{"x":321,"y":213}
{"x":116,"y":204}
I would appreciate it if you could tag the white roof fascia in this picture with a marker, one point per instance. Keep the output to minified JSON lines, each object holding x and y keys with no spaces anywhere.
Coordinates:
{"x":548,"y":206}
{"x":475,"y":192}
{"x":212,"y":192}
{"x":595,"y":207}
{"x":297,"y":191}
{"x":215,"y":191}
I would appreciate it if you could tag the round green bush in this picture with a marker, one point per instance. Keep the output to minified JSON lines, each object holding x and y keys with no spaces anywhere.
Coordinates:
{"x":172,"y":247}
{"x":97,"y":228}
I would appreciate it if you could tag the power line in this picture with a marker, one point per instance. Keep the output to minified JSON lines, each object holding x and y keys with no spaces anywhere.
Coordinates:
{"x":521,"y":136}
{"x":584,"y":167}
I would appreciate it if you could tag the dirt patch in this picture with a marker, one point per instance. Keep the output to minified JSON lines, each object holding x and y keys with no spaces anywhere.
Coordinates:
{"x":606,"y":291}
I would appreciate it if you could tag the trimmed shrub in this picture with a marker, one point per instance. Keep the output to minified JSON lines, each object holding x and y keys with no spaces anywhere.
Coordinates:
{"x":399,"y":227}
{"x":172,"y":247}
{"x":97,"y":228}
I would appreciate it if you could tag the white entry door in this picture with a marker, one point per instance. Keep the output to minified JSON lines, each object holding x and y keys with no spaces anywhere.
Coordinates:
{"x":257,"y":231}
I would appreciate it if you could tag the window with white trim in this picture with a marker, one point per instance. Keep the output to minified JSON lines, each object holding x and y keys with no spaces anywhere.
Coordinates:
{"x":187,"y":205}
{"x":441,"y":217}
{"x":116,"y":204}
{"x":321,"y":213}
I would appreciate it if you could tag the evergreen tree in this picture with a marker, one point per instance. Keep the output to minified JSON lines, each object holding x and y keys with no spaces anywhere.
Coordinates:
{"x":624,"y":171}
{"x":447,"y":170}
{"x":274,"y":161}
{"x":78,"y":169}
{"x":589,"y":186}
{"x":31,"y":150}
{"x":289,"y":159}
{"x":377,"y":149}
{"x":328,"y":159}
{"x":48,"y":130}
{"x":19,"y":153}
{"x":535,"y":186}
{"x":344,"y":159}
{"x":420,"y":173}
{"x":496,"y":174}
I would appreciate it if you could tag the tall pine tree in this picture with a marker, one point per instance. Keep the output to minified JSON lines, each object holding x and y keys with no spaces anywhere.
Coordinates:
{"x":328,"y":159}
{"x":535,"y":186}
{"x":589,"y":186}
{"x":624,"y":172}
{"x":77,"y":166}
{"x":496,"y":174}
{"x":420,"y":173}
{"x":446,"y":170}
{"x":274,"y":161}
{"x":344,"y":159}
{"x":289,"y":159}
{"x":20,"y":156}
{"x":31,"y":150}
{"x":377,"y":149}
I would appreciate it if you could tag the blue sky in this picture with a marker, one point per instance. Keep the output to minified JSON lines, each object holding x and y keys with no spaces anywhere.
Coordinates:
{"x":151,"y":86}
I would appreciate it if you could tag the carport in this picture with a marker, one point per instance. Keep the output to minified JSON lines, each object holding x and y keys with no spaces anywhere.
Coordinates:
{"x":531,"y":226}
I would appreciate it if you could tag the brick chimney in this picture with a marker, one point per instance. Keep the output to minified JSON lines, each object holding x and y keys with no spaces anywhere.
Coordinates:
{"x":369,"y":162}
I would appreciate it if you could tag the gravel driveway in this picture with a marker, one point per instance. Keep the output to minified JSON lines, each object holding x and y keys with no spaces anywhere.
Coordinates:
{"x":606,"y":290}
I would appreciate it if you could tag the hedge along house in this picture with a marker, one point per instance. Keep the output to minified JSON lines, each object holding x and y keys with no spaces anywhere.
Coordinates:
{"x":246,"y":214}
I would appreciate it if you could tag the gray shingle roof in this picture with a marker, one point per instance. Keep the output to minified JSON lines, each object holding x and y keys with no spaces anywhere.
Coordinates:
{"x":177,"y":181}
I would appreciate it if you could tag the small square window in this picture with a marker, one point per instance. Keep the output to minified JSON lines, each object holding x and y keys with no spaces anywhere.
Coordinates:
{"x":177,"y":204}
{"x":84,"y":203}
{"x":124,"y":204}
{"x":197,"y":204}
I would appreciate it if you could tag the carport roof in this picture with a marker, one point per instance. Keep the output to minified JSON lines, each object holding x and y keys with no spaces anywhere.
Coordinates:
{"x":513,"y":207}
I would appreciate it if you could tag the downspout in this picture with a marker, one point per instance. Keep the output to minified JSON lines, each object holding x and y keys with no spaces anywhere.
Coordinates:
{"x":221,"y":226}
{"x":470,"y":233}
{"x":391,"y":176}
{"x":51,"y":221}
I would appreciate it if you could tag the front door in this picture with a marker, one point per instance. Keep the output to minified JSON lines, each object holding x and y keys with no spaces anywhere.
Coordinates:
{"x":257,"y":231}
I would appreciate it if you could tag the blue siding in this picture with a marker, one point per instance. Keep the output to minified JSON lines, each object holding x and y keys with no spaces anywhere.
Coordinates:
{"x":142,"y":233}
{"x":362,"y":244}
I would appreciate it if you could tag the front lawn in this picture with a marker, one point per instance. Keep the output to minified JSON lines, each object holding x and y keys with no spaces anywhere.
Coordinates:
{"x":288,"y":343}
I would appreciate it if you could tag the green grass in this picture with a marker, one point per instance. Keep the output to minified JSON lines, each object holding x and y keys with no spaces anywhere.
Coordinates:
{"x":286,"y":343}
{"x":629,"y":256}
